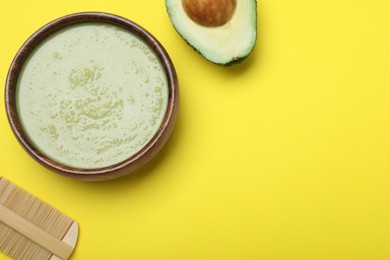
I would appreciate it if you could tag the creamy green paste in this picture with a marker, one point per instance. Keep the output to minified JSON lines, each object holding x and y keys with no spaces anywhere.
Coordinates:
{"x":91,"y":95}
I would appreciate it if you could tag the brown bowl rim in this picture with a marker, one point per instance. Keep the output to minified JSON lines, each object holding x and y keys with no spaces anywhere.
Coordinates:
{"x":122,"y":168}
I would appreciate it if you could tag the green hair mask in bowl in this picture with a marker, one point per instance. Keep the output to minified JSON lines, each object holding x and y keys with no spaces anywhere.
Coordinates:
{"x":92,"y":96}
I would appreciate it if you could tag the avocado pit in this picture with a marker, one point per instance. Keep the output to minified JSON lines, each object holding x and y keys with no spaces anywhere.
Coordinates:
{"x":210,"y":13}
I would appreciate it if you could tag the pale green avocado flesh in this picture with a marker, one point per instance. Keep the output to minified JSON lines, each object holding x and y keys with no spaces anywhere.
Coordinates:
{"x":225,"y":45}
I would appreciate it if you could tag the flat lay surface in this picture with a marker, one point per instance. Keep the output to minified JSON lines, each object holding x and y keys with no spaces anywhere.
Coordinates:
{"x":285,"y":156}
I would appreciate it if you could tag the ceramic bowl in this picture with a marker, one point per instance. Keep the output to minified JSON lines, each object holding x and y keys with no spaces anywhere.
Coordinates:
{"x":133,"y":162}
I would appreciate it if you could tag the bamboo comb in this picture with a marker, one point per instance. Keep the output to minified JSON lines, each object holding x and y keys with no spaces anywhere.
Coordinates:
{"x":32,"y":229}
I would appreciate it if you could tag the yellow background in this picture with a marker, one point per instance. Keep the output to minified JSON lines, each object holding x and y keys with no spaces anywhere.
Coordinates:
{"x":286,"y":156}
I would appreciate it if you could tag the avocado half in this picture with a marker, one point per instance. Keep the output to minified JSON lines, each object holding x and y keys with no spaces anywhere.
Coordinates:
{"x":227,"y":44}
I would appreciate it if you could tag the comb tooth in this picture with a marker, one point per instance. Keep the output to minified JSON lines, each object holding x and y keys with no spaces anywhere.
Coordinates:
{"x":30,"y":249}
{"x":16,"y":242}
{"x":6,"y":234}
{"x":33,"y":252}
{"x":54,"y":228}
{"x":40,"y":253}
{"x":24,"y":203}
{"x":35,"y":211}
{"x":63,"y":222}
{"x":36,"y":252}
{"x":20,"y":253}
{"x":12,"y":243}
{"x":51,"y":221}
{"x":3,"y":232}
{"x":6,"y":241}
{"x":7,"y":192}
{"x":47,"y":220}
{"x":3,"y":184}
{"x":35,"y":214}
{"x":59,"y":222}
{"x":46,"y":215}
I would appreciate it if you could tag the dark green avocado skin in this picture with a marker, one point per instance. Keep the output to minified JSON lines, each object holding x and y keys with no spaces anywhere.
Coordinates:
{"x":234,"y":61}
